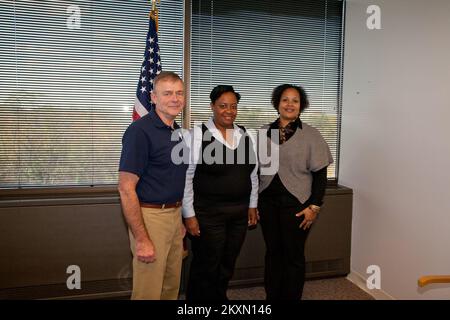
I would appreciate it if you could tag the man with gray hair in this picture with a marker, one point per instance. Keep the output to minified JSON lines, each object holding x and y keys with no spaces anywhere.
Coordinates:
{"x":151,"y":189}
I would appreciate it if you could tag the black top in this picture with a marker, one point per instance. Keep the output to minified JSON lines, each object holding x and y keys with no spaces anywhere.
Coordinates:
{"x":285,"y":132}
{"x":222,"y":175}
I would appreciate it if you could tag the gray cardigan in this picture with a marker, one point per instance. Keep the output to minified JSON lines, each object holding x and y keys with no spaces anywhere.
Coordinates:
{"x":305,"y":152}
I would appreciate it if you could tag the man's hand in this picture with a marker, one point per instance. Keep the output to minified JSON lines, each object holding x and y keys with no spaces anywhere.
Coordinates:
{"x":145,"y":251}
{"x":192,"y":226}
{"x":253,"y":216}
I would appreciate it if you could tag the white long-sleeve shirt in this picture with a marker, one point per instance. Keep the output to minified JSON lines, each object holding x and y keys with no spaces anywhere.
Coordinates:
{"x":195,"y":150}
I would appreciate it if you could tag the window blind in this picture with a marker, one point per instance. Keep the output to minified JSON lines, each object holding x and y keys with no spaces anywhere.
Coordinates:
{"x":66,"y":95}
{"x":258,"y":45}
{"x":67,"y":90}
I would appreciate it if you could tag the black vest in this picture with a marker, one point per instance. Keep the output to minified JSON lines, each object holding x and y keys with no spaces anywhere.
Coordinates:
{"x":221,"y":182}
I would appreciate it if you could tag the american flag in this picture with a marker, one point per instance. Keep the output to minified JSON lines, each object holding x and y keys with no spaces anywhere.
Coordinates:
{"x":151,"y":66}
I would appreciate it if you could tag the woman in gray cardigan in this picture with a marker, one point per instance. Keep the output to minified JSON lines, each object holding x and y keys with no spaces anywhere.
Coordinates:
{"x":290,"y":199}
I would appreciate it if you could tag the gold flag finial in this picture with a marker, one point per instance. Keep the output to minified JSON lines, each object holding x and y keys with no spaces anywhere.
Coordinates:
{"x":154,"y":4}
{"x":154,"y":12}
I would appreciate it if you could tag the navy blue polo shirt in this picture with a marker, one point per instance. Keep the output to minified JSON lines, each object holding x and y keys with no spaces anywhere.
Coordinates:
{"x":146,"y":152}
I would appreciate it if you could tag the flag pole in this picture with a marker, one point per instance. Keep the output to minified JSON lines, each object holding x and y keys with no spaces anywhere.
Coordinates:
{"x":154,"y":12}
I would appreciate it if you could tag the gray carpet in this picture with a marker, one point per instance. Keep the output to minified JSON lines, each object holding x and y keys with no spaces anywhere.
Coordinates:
{"x":323,"y":289}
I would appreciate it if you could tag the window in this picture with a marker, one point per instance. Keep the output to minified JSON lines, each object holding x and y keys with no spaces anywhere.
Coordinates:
{"x":67,"y":90}
{"x":257,"y":45}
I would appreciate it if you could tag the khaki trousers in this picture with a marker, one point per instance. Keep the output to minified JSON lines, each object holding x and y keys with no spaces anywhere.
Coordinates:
{"x":159,"y":280}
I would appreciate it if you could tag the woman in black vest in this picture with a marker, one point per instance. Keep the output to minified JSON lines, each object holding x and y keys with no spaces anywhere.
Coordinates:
{"x":290,"y":199}
{"x":220,"y":196}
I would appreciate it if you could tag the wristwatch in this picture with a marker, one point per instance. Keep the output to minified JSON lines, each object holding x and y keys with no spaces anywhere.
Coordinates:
{"x":314,"y":208}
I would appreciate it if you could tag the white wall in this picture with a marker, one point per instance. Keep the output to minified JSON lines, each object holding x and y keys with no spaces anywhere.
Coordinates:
{"x":395,"y":147}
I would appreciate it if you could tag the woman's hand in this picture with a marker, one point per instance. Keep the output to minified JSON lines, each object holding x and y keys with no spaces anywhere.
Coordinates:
{"x":192,"y":226}
{"x":310,"y":217}
{"x":253,"y":216}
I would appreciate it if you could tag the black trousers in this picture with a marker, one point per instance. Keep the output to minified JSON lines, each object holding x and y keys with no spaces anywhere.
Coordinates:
{"x":222,"y":233}
{"x":284,"y":274}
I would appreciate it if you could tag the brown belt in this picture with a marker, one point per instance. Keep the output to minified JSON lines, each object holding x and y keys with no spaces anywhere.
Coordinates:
{"x":161,"y":206}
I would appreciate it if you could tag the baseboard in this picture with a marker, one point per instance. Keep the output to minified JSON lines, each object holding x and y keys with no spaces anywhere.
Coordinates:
{"x":98,"y":289}
{"x":360,"y":281}
{"x":247,"y":282}
{"x":118,"y":295}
